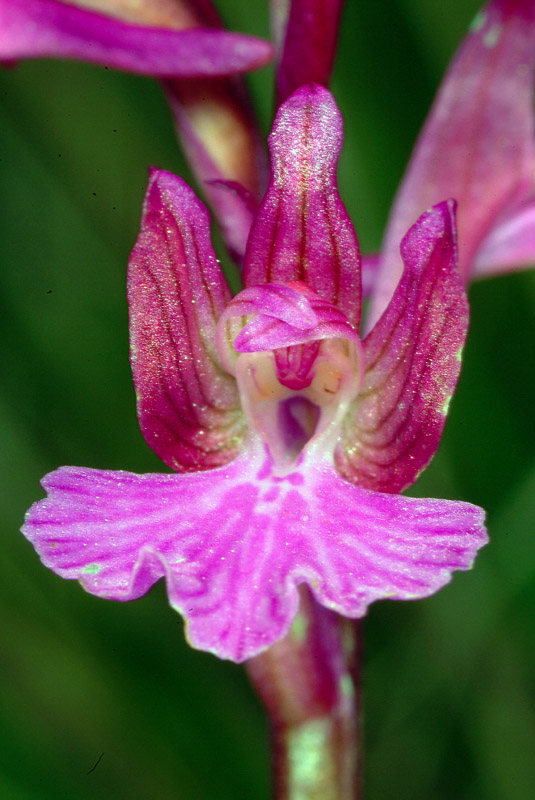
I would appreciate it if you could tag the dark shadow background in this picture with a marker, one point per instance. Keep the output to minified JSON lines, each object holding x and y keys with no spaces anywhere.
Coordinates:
{"x":449,"y":681}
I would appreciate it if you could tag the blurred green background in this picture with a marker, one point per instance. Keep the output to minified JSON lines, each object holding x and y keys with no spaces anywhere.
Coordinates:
{"x":450,"y":682}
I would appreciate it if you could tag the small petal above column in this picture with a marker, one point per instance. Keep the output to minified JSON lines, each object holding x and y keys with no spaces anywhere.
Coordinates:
{"x":478,"y":143}
{"x":50,"y":28}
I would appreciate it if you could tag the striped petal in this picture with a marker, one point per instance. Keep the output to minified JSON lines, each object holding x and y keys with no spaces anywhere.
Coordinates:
{"x":234,"y":543}
{"x":478,"y":142}
{"x":188,"y":406}
{"x":302,"y":231}
{"x":412,"y":362}
{"x":288,"y":320}
{"x":50,"y":28}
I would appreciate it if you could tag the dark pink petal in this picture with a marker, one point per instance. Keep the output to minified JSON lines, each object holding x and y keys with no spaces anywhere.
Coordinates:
{"x":188,"y":406}
{"x":302,"y":231}
{"x":234,"y":543}
{"x":478,"y":142}
{"x":307,"y":34}
{"x":510,"y":244}
{"x":49,"y":28}
{"x":412,"y":362}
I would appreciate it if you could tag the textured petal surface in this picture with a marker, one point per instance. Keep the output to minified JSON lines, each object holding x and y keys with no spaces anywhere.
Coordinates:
{"x":510,"y":244}
{"x":234,"y":543}
{"x":42,"y":28}
{"x":308,"y":33}
{"x":188,"y":406}
{"x":302,"y":231}
{"x":412,"y":362}
{"x":268,"y":332}
{"x":477,"y":145}
{"x":285,"y":303}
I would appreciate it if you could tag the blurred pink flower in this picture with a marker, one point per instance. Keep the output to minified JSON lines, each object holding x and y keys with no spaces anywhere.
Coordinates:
{"x":478,"y":146}
{"x":53,"y":28}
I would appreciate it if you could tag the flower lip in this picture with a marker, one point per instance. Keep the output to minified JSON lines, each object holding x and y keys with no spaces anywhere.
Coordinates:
{"x":233,"y":543}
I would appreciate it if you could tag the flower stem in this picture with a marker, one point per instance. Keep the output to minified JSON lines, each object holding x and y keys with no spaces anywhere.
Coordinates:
{"x":309,"y":684}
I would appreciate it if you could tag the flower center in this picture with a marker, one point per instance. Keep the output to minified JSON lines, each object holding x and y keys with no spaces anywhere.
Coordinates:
{"x":298,"y":364}
{"x":288,"y":411}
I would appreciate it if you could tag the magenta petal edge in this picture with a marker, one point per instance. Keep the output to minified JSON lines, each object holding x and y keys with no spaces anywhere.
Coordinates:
{"x":50,"y":28}
{"x":234,"y":543}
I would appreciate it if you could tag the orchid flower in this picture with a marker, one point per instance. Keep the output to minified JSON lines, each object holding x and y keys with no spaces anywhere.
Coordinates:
{"x":290,"y":435}
{"x":478,"y":146}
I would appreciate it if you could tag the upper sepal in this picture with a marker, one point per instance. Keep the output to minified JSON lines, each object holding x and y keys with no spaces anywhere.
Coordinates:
{"x":302,"y":230}
{"x":188,"y":406}
{"x":50,"y":28}
{"x":412,"y":361}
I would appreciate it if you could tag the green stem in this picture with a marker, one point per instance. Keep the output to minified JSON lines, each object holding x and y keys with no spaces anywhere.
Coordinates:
{"x":309,"y":683}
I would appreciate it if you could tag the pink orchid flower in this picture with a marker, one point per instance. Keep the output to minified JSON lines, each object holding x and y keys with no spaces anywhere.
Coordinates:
{"x":478,"y":146}
{"x":291,"y":436}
